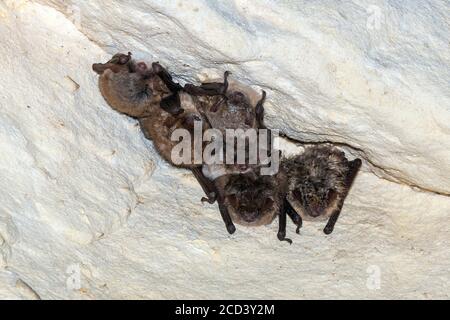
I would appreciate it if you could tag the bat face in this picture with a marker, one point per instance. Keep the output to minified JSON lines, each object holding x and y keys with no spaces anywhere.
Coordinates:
{"x":317,"y":181}
{"x":252,"y":201}
{"x":239,"y":104}
{"x":228,"y":105}
{"x":314,"y":197}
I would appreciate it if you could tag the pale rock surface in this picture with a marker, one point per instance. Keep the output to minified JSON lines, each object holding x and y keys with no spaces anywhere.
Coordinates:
{"x":85,"y":196}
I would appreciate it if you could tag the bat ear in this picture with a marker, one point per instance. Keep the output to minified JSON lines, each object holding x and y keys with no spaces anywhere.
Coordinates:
{"x":157,"y":68}
{"x":121,"y":58}
{"x":124,"y":59}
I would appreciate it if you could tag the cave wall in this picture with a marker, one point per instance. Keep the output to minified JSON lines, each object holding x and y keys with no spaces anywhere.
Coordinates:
{"x":85,"y":196}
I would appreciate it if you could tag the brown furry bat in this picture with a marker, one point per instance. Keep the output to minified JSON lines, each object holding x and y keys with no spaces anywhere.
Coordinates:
{"x":229,"y":105}
{"x":251,"y":199}
{"x":130,"y":87}
{"x":244,"y":196}
{"x":151,"y":96}
{"x":319,"y":181}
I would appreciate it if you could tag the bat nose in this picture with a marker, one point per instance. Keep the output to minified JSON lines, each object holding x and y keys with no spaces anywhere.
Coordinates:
{"x":314,"y":211}
{"x":98,"y":67}
{"x":250,"y":216}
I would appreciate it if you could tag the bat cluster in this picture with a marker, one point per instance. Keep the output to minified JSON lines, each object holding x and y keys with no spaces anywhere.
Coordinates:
{"x":309,"y":186}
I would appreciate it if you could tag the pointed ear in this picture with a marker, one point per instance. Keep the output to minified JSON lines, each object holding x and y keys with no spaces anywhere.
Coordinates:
{"x":157,"y":68}
{"x":120,"y":58}
{"x":125,"y":58}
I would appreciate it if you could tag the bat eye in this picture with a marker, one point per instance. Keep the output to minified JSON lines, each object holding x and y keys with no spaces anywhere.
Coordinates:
{"x":237,"y":97}
{"x":121,"y":58}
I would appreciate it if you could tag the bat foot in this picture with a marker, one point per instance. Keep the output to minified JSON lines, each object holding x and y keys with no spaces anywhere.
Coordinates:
{"x":231,"y":228}
{"x":282,"y":237}
{"x":328,"y":230}
{"x":210,"y":198}
{"x":298,"y":222}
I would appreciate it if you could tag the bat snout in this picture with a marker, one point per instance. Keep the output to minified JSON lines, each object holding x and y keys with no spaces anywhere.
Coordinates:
{"x":99,"y":68}
{"x":315,"y":210}
{"x":250,"y":216}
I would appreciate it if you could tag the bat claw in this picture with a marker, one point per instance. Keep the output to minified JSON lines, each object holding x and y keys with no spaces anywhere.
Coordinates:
{"x":231,"y":229}
{"x":328,"y":230}
{"x":282,"y":237}
{"x":210,"y":198}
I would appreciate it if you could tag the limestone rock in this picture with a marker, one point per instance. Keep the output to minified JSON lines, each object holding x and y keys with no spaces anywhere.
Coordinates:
{"x":89,"y":210}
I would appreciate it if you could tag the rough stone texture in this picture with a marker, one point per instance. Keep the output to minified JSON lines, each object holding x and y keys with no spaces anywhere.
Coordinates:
{"x":84,"y":191}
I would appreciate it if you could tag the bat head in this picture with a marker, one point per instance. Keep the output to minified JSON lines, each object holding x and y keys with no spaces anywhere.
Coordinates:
{"x":314,"y":196}
{"x":316,"y":180}
{"x":252,"y":199}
